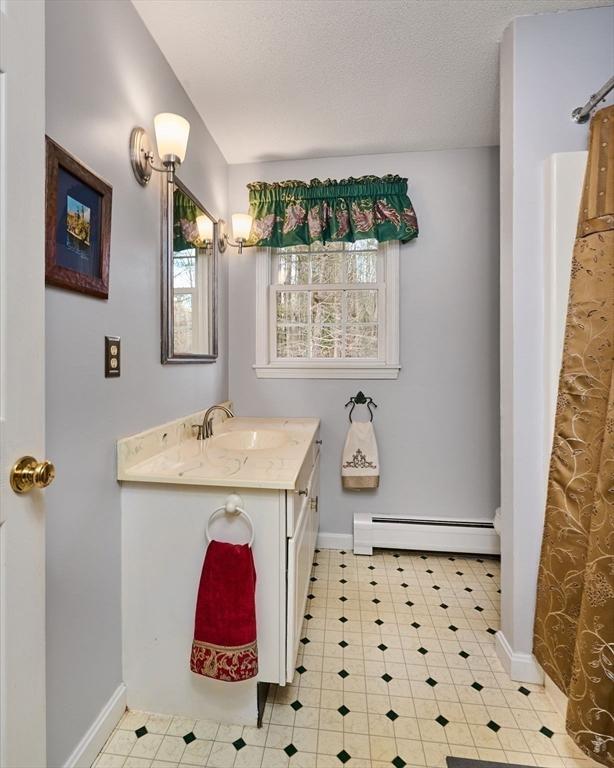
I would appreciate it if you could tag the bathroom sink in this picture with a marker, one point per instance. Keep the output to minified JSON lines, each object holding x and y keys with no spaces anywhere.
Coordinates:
{"x":250,"y":439}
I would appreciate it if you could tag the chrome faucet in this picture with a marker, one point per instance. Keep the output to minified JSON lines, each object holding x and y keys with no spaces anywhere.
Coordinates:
{"x":205,"y":429}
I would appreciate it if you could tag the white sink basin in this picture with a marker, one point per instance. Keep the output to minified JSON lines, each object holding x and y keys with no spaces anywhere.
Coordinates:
{"x":250,"y":439}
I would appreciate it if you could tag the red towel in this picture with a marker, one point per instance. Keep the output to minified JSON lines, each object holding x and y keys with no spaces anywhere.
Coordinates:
{"x":224,"y":645}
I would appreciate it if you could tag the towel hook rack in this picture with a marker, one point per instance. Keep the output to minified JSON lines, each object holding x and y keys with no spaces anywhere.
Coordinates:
{"x":361,"y":399}
{"x":231,"y":507}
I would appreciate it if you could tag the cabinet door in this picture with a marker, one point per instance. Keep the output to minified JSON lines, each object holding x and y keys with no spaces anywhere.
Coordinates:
{"x":299,"y":568}
{"x":300,"y":558}
{"x":314,"y":505}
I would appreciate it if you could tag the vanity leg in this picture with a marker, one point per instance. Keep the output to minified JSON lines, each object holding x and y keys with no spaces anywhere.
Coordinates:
{"x":262,"y":692}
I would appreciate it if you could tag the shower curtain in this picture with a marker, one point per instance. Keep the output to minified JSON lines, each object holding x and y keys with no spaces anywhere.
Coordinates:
{"x":574,"y":622}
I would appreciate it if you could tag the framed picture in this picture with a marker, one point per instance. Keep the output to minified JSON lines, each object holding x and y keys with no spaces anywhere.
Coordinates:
{"x":77,"y":226}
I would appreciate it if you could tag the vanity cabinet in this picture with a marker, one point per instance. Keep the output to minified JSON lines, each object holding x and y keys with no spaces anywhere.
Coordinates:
{"x":163,"y":546}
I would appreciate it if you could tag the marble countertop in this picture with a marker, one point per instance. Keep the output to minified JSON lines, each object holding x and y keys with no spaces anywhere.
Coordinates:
{"x":171,"y":453}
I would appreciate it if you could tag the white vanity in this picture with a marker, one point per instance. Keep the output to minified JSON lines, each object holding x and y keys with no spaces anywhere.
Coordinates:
{"x":170,"y":484}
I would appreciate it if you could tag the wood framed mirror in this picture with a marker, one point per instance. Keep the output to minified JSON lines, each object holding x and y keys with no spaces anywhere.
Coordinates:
{"x":189,"y":278}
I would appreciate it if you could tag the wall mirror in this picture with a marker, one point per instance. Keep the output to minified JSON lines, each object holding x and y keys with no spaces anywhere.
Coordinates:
{"x":189,"y":278}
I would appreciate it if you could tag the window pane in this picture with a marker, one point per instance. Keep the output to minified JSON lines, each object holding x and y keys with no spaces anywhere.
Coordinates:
{"x":361,"y":306}
{"x":293,"y":268}
{"x":183,"y":322}
{"x":361,"y":267}
{"x":292,"y":341}
{"x":326,"y":307}
{"x":321,"y":320}
{"x":184,"y":269}
{"x":326,"y":341}
{"x":292,"y":307}
{"x":370,"y":244}
{"x":361,"y":341}
{"x":293,"y":249}
{"x":327,"y":268}
{"x":328,"y":247}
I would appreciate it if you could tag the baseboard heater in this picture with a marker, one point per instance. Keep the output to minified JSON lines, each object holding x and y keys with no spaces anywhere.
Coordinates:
{"x":463,"y":536}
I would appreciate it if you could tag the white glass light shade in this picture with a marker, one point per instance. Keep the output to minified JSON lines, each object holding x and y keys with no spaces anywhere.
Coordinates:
{"x":171,"y":136}
{"x":241,"y":226}
{"x":205,"y":228}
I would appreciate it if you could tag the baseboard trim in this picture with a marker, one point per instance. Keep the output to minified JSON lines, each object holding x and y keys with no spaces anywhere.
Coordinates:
{"x":99,"y":731}
{"x":335,"y":540}
{"x":470,"y":536}
{"x":522,"y":667}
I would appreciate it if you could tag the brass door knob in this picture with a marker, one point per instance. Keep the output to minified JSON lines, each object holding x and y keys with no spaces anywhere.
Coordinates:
{"x":28,"y":473}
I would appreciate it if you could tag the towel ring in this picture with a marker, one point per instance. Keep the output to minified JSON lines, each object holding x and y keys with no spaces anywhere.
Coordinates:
{"x":361,"y":399}
{"x":231,"y":508}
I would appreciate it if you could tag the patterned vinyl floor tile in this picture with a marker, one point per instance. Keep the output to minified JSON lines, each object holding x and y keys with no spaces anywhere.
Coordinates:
{"x":396,"y":667}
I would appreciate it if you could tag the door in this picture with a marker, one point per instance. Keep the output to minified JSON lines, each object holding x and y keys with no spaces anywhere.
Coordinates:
{"x":22,"y":532}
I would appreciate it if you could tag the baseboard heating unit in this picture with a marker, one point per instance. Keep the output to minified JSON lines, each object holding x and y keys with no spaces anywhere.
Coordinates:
{"x":471,"y":536}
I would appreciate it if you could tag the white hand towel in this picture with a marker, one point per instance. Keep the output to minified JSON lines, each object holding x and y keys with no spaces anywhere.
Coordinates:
{"x":360,"y":461}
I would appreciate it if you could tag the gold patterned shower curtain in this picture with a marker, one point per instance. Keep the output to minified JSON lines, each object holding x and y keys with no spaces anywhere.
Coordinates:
{"x":574,"y":622}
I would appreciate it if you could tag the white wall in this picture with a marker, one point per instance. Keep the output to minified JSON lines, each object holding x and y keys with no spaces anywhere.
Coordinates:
{"x":438,"y":424}
{"x":550,"y":64}
{"x":105,"y":75}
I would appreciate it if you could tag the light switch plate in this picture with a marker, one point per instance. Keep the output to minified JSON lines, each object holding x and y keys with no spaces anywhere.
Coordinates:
{"x":112,"y":356}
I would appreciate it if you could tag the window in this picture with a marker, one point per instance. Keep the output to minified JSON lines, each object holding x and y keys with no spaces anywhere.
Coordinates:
{"x":328,"y":311}
{"x":190,"y":277}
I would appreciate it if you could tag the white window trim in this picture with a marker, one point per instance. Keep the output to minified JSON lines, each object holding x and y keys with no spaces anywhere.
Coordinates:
{"x":388,"y":368}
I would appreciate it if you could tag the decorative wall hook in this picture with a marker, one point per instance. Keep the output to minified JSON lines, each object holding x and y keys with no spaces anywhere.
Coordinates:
{"x":361,"y":399}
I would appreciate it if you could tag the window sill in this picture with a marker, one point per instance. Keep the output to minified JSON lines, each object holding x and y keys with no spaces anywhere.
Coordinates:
{"x":306,"y":371}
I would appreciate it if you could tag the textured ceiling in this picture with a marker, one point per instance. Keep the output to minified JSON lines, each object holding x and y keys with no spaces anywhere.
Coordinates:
{"x":277,"y":79}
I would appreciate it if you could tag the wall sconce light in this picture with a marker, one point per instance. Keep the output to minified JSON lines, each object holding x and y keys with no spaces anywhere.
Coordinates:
{"x":205,"y":227}
{"x":172,"y":141}
{"x":241,"y":228}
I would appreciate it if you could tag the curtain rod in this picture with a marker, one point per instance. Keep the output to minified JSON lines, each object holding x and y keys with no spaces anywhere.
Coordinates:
{"x":581,"y":114}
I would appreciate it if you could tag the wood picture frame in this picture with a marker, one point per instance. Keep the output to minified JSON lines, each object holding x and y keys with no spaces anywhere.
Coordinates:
{"x":77,"y":225}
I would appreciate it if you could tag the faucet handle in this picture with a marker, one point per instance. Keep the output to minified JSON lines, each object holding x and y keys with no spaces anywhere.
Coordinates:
{"x":200,"y":434}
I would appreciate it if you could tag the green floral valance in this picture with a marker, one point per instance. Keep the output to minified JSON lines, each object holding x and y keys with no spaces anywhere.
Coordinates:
{"x":296,"y":213}
{"x":185,"y":231}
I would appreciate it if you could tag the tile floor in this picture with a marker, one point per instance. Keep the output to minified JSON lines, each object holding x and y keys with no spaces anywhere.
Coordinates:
{"x":396,"y":666}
